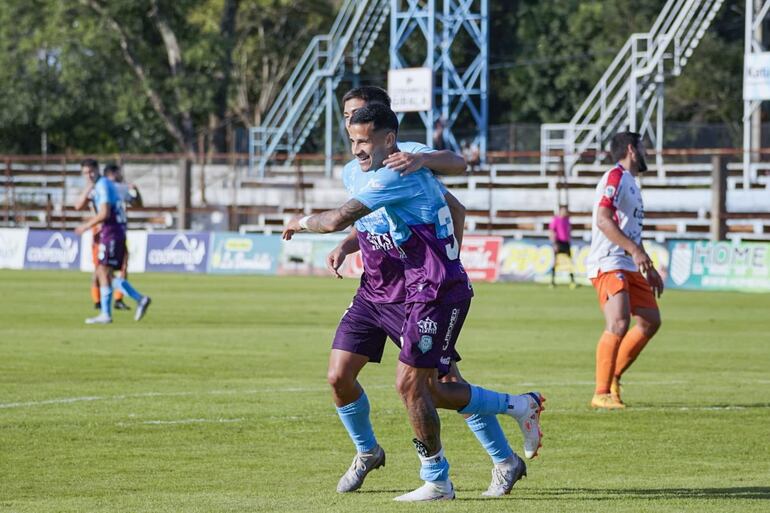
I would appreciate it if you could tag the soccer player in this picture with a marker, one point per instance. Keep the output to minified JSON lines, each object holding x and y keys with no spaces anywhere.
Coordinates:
{"x":89,"y":168}
{"x":620,"y":270}
{"x":129,"y":195}
{"x":361,"y":336}
{"x":437,"y":296}
{"x":560,"y":235}
{"x":112,"y":245}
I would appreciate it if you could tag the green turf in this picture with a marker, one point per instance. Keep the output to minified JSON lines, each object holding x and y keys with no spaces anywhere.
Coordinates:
{"x":218,"y":402}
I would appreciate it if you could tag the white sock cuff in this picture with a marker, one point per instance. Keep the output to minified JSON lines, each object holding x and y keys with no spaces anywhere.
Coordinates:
{"x":436,"y":458}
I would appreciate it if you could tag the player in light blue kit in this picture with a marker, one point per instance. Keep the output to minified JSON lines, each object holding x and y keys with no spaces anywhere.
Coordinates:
{"x":437,"y":292}
{"x":112,"y":246}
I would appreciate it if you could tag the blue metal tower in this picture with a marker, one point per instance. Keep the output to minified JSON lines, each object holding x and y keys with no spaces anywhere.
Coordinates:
{"x":460,"y":93}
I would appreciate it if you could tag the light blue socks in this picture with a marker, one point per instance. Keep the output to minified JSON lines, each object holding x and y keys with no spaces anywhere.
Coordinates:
{"x":355,"y":418}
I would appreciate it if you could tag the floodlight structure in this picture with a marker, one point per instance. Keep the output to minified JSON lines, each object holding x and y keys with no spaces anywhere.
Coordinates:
{"x":756,"y":15}
{"x":460,"y":94}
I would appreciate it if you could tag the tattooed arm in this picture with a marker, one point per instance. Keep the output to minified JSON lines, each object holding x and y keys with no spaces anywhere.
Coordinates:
{"x":329,"y":221}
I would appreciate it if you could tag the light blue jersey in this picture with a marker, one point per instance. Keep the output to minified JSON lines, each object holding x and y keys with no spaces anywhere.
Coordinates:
{"x":383,"y":277}
{"x":105,"y":192}
{"x":420,"y":225}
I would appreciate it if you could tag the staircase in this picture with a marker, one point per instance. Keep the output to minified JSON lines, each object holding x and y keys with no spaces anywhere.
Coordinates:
{"x":309,"y":91}
{"x":629,"y":85}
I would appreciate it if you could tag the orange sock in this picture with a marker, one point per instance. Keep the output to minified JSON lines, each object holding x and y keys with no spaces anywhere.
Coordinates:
{"x":95,"y":296}
{"x":118,"y":295}
{"x":606,"y":352}
{"x":630,"y":347}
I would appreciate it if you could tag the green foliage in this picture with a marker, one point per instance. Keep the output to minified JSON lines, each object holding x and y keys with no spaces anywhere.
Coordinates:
{"x":217,"y":402}
{"x":62,"y":69}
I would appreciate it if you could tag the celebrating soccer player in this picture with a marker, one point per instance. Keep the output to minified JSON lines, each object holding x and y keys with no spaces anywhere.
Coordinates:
{"x":129,"y":195}
{"x":112,"y":245}
{"x":620,"y":270}
{"x":415,"y":227}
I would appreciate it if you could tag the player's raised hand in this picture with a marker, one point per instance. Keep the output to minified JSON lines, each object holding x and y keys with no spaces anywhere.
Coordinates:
{"x":655,"y":281}
{"x":405,"y":162}
{"x":334,"y":261}
{"x":291,"y":228}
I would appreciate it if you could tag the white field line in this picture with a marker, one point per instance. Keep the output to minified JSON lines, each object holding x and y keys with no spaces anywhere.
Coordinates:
{"x":290,"y":390}
{"x":180,"y":421}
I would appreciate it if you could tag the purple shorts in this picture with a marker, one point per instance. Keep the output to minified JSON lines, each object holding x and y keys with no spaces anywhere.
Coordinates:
{"x":112,"y":251}
{"x":430,"y":333}
{"x":365,"y":326}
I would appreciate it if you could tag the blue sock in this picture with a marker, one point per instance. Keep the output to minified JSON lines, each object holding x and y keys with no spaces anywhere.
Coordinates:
{"x":355,"y":418}
{"x":485,"y":402}
{"x":490,"y":435}
{"x":105,"y":299}
{"x":434,"y":468}
{"x":126,"y":288}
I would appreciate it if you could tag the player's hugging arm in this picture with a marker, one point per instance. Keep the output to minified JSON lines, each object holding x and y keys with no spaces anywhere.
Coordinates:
{"x":337,"y":219}
{"x":329,"y":221}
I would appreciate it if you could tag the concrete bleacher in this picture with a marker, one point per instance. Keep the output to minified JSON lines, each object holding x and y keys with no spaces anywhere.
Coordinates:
{"x":41,"y":195}
{"x":517,"y":200}
{"x":509,"y":199}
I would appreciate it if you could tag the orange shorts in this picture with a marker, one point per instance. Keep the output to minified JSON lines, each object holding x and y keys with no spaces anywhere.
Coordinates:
{"x":640,"y":294}
{"x":95,"y":253}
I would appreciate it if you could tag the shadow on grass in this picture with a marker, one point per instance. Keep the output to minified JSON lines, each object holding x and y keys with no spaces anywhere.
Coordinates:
{"x":600,"y":494}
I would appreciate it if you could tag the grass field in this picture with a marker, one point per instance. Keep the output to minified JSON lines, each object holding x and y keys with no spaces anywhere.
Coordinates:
{"x":218,"y":402}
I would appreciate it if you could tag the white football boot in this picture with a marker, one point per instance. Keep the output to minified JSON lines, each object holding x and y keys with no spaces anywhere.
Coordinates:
{"x":528,"y":418}
{"x":430,"y":491}
{"x":363,"y":463}
{"x":504,"y":475}
{"x":99,"y":319}
{"x":142,"y":307}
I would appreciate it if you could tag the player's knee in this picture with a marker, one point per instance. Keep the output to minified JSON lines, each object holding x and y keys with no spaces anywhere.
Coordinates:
{"x":618,"y":326}
{"x":409,"y":385}
{"x":651,"y":326}
{"x":340,"y":380}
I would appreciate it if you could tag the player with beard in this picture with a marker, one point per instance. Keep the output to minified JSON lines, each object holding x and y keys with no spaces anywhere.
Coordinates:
{"x":620,"y":270}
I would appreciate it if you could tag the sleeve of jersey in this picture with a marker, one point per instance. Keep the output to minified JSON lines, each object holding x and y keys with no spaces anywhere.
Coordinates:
{"x":441,"y":185}
{"x":385,"y":188}
{"x":421,"y":148}
{"x":611,"y":191}
{"x":101,"y":194}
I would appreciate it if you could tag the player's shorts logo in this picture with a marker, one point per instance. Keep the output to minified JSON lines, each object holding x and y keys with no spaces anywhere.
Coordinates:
{"x":427,"y":326}
{"x":620,"y":276}
{"x":425,"y":344}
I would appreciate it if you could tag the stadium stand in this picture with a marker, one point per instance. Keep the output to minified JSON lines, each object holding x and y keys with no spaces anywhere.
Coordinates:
{"x":509,"y":199}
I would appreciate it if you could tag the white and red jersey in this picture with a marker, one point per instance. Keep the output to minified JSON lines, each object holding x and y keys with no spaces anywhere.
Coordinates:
{"x":618,"y":191}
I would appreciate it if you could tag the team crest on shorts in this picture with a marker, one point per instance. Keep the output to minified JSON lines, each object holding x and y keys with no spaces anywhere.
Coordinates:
{"x":620,"y":276}
{"x":427,"y":326}
{"x":426,"y":343}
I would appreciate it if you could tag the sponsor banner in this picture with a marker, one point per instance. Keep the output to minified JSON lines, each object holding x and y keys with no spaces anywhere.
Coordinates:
{"x":232,"y":253}
{"x":411,"y":89}
{"x":480,"y":255}
{"x":533,"y":259}
{"x":48,"y":249}
{"x":13,"y":242}
{"x":136,"y":241}
{"x":177,"y":252}
{"x":725,"y":265}
{"x":305,"y":254}
{"x":756,"y":76}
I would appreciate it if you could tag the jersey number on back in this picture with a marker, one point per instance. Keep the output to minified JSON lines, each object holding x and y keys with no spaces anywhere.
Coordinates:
{"x":445,"y":219}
